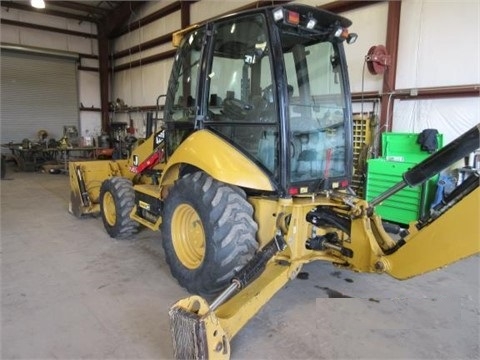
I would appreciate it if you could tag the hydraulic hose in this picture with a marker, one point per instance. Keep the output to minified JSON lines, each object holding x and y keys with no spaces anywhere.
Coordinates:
{"x":252,"y":270}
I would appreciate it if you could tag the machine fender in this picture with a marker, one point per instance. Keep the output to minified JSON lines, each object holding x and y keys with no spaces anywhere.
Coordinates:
{"x":210,"y":153}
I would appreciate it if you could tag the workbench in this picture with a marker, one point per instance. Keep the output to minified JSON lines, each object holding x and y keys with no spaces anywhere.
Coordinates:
{"x":78,"y":153}
{"x":32,"y":158}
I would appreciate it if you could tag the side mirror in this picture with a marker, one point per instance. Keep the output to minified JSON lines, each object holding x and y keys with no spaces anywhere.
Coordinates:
{"x":352,"y":38}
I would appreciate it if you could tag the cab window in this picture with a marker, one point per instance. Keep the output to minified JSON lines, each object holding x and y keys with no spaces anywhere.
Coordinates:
{"x":182,"y":90}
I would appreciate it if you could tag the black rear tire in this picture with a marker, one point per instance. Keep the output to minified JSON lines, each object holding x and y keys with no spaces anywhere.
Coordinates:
{"x":117,"y":199}
{"x":208,"y":233}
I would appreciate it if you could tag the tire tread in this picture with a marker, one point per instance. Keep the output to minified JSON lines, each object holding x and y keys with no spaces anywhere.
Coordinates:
{"x":233,"y":238}
{"x":123,"y":194}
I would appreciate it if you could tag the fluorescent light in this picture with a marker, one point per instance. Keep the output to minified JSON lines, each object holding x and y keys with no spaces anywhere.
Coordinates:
{"x":38,"y":4}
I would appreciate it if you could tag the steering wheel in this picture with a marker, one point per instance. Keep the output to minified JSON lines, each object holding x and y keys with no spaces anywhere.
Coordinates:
{"x":236,"y":109}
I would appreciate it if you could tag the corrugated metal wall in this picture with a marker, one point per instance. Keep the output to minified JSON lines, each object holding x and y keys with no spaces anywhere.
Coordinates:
{"x":37,"y":92}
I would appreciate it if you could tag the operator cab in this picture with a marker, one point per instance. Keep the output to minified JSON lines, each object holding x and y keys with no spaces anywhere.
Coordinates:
{"x":273,"y":83}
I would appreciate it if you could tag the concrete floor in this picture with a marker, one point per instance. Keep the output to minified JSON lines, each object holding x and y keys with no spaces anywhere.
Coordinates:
{"x":69,"y":291}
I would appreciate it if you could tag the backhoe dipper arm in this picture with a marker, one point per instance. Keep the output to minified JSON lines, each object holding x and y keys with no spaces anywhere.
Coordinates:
{"x":449,"y":236}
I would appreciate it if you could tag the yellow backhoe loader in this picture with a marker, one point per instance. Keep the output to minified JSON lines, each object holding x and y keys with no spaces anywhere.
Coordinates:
{"x":254,"y":182}
{"x":144,"y":165}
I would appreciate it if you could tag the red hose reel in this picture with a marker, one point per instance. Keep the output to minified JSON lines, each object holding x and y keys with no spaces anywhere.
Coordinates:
{"x":378,"y":60}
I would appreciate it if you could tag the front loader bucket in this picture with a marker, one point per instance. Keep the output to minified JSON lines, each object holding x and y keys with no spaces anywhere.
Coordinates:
{"x":196,"y":331}
{"x":86,"y":178}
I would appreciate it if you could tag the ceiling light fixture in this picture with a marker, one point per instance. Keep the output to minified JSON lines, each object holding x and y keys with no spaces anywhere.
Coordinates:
{"x":38,"y":4}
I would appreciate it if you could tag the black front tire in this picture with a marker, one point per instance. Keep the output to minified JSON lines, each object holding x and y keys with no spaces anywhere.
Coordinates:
{"x":208,"y":233}
{"x":117,"y":199}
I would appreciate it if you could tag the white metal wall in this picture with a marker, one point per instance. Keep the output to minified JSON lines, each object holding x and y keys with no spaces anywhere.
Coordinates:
{"x":439,"y":46}
{"x":439,"y":43}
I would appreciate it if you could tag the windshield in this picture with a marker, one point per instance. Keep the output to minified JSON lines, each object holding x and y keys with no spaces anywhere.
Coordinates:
{"x":316,"y":109}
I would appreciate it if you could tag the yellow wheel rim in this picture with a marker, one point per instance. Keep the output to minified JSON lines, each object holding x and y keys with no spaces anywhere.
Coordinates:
{"x":109,"y":209}
{"x":188,"y":236}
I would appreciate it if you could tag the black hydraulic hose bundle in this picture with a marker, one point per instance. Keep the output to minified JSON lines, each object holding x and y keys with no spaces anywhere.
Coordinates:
{"x":323,"y":216}
{"x":252,"y":270}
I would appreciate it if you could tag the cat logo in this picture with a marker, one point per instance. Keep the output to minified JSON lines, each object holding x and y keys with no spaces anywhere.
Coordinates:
{"x":159,"y":138}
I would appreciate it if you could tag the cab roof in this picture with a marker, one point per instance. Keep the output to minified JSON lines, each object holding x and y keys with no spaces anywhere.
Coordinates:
{"x":324,"y":18}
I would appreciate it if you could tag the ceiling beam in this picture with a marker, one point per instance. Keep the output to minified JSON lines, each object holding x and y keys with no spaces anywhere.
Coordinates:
{"x":161,"y":40}
{"x":342,"y":6}
{"x":254,"y":5}
{"x":103,"y":52}
{"x":72,"y":5}
{"x":147,"y":60}
{"x":437,"y":92}
{"x":23,"y":7}
{"x":47,"y":28}
{"x":185,"y":14}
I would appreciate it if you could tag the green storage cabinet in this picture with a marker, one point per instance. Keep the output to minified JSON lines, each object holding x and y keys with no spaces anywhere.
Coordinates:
{"x":400,"y":152}
{"x":404,"y":147}
{"x":409,"y":204}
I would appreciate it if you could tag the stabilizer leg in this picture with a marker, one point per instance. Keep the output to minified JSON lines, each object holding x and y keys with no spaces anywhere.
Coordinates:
{"x":200,"y":331}
{"x":196,"y":331}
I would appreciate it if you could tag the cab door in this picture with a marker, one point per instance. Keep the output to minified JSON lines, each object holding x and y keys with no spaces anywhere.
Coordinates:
{"x":182,"y":109}
{"x":241,"y":106}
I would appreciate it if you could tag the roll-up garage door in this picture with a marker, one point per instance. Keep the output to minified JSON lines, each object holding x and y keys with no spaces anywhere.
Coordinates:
{"x":38,"y":92}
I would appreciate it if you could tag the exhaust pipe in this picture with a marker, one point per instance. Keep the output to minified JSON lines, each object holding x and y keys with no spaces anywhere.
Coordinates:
{"x":149,"y":125}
